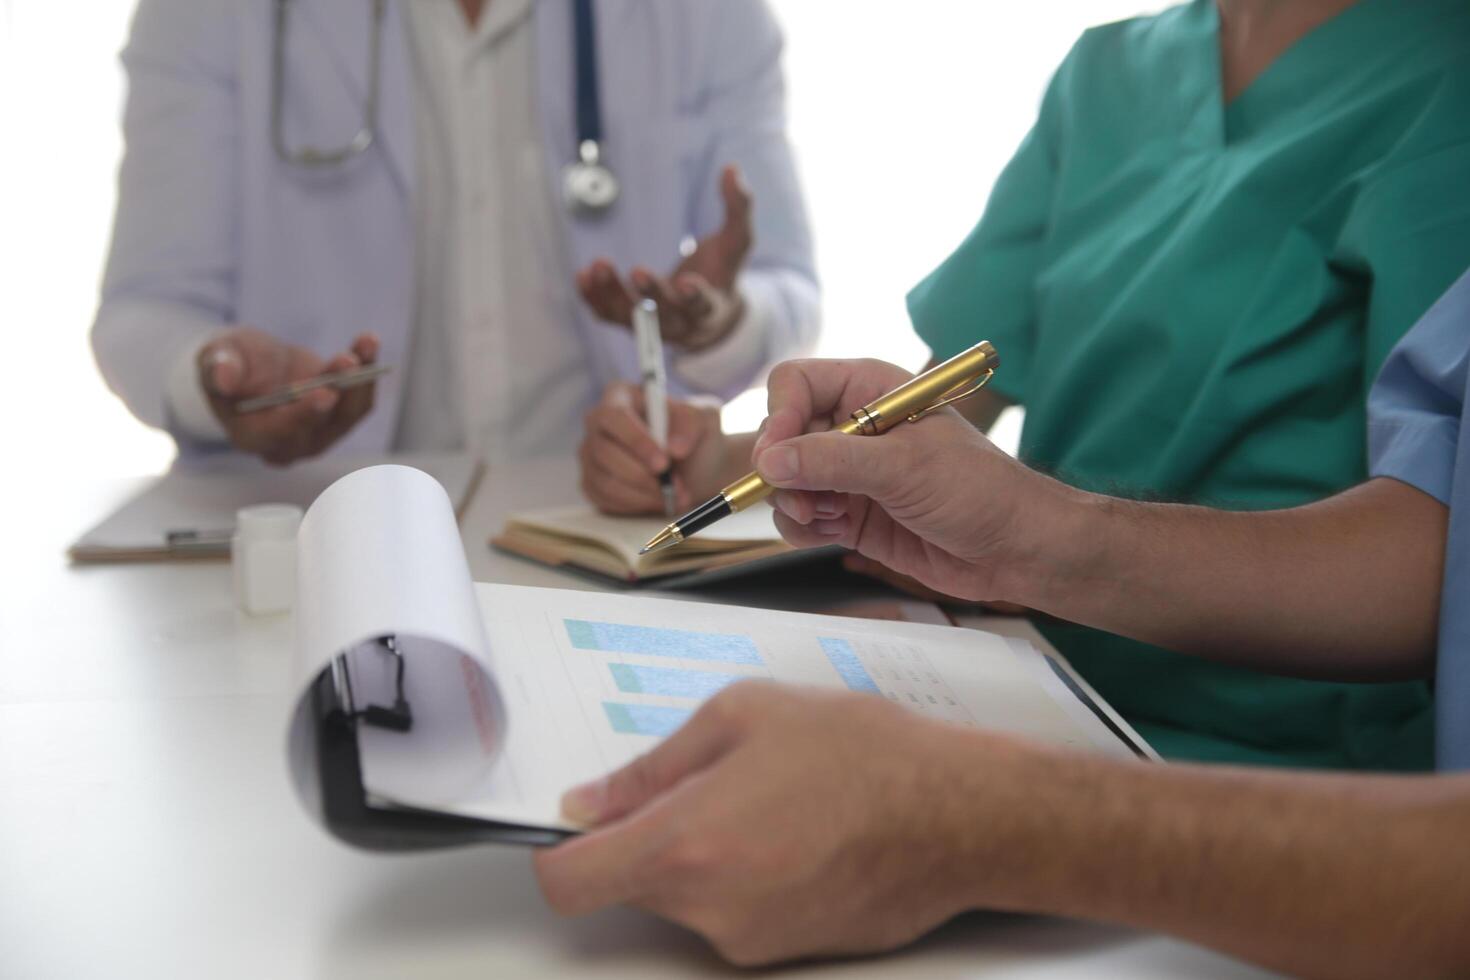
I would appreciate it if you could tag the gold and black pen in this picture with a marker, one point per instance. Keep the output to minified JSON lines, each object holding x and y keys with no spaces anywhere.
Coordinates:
{"x":944,"y":384}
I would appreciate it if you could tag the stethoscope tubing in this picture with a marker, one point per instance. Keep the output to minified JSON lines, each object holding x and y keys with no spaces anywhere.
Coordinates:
{"x":367,"y":132}
{"x":589,"y":102}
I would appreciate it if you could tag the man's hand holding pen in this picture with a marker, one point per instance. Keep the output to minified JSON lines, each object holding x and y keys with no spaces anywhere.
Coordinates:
{"x":905,"y":398}
{"x":897,"y":500}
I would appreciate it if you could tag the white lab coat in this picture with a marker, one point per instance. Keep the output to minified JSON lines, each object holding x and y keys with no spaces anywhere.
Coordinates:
{"x":213,"y":229}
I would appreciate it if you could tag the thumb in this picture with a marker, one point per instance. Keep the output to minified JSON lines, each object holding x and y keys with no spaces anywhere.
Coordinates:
{"x":782,"y":424}
{"x":365,"y":348}
{"x":876,"y":468}
{"x":621,"y":394}
{"x":223,"y":369}
{"x":736,"y":233}
{"x":698,"y":743}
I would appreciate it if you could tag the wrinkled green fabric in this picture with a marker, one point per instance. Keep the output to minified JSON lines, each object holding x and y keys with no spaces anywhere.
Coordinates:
{"x":1192,"y":299}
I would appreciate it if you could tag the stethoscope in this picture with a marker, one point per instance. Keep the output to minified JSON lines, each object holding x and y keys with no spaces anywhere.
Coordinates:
{"x":589,"y":187}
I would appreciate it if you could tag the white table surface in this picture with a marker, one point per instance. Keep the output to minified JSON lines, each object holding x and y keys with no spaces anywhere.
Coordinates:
{"x":147,"y":827}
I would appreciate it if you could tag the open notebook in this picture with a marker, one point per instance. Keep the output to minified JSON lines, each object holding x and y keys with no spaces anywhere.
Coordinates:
{"x":608,"y":546}
{"x":436,"y":711}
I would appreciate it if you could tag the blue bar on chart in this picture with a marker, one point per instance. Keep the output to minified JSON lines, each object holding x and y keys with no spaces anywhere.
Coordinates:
{"x":644,"y":719}
{"x":844,"y":658}
{"x":669,"y":681}
{"x":728,"y":648}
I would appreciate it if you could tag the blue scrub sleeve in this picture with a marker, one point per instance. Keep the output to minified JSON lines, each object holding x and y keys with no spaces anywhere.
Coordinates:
{"x":1414,"y":409}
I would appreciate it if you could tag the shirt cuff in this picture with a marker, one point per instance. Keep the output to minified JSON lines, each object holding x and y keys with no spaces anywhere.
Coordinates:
{"x":738,"y":361}
{"x":185,"y":401}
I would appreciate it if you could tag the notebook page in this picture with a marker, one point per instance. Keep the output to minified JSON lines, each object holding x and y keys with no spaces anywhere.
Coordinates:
{"x":627,"y":535}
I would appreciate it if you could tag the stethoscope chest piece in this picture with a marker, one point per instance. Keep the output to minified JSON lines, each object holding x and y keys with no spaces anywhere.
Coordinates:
{"x":588,"y":186}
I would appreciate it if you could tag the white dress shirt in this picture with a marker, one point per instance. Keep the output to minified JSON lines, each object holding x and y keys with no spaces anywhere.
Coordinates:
{"x":497,"y":364}
{"x":497,"y":361}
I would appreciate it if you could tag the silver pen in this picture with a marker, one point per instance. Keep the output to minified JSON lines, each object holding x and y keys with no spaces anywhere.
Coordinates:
{"x":655,"y":388}
{"x":341,"y":380}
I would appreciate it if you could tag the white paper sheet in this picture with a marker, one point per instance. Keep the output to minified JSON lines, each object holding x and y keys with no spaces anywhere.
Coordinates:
{"x":379,"y":554}
{"x":519,"y":693}
{"x":569,"y":665}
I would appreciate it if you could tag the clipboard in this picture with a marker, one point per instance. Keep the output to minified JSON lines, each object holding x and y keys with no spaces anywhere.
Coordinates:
{"x":188,"y":514}
{"x":350,"y":815}
{"x":433,"y":711}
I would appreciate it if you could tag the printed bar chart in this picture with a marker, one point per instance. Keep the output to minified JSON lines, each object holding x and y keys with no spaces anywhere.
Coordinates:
{"x":669,"y":681}
{"x":844,"y":659}
{"x":728,"y":648}
{"x":644,"y":719}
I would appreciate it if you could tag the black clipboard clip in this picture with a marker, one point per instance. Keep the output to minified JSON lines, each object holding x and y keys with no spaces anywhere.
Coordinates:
{"x":343,"y":709}
{"x":346,"y":808}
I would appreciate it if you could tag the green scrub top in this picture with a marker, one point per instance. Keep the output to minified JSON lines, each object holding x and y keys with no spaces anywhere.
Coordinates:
{"x":1192,"y":299}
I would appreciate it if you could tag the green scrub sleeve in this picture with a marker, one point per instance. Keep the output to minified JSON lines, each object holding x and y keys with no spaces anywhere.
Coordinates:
{"x":1409,"y":236}
{"x":986,"y":290}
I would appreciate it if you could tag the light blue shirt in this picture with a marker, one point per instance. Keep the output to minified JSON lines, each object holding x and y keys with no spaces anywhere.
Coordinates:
{"x":1417,"y":434}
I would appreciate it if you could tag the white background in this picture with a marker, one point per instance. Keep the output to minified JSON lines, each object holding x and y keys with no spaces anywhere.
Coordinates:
{"x":902,"y":114}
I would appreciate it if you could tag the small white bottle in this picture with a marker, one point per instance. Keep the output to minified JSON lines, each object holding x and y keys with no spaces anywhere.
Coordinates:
{"x":263,"y":552}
